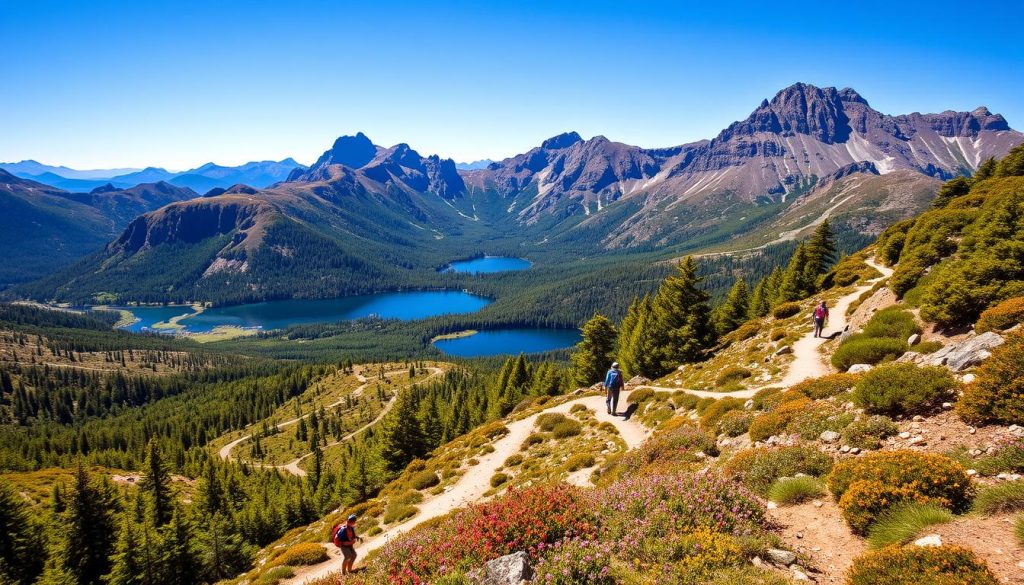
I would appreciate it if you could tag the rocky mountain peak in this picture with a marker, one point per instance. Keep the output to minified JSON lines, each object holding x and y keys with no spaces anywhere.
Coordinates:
{"x":351,"y":151}
{"x":103,"y":189}
{"x":564,"y":140}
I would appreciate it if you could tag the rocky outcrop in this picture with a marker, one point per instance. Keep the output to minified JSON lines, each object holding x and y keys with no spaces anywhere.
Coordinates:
{"x":510,"y":569}
{"x":970,"y":352}
{"x":351,"y":151}
{"x":194,"y":221}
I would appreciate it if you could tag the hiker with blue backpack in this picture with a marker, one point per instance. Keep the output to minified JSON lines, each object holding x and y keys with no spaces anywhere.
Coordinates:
{"x":344,"y":537}
{"x":613,"y":384}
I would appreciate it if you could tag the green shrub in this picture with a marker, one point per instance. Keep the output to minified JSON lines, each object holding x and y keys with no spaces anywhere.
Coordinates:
{"x":565,"y":429}
{"x":640,"y":395}
{"x":759,"y":468}
{"x":1018,"y":529}
{"x":826,"y":386}
{"x":860,"y":349}
{"x":305,"y":553}
{"x":579,"y":461}
{"x":924,"y":565}
{"x":926,"y":347}
{"x":713,"y":413}
{"x":684,"y":400}
{"x":1002,"y":316}
{"x":423,"y":480}
{"x":865,"y":501}
{"x":1008,"y":457}
{"x":408,"y":497}
{"x":786,"y":310}
{"x":777,"y":334}
{"x":670,"y":449}
{"x":903,"y":389}
{"x":534,"y":439}
{"x":274,"y":575}
{"x":1000,"y":498}
{"x":766,"y":398}
{"x":900,"y":524}
{"x":745,"y":331}
{"x":868,"y":433}
{"x":893,"y":322}
{"x":546,"y":422}
{"x":735,"y":422}
{"x":766,"y":425}
{"x":890,"y":242}
{"x":731,"y":375}
{"x":794,"y":490}
{"x":399,"y":512}
{"x":817,"y":418}
{"x":498,"y":479}
{"x":997,"y":393}
{"x":514,"y":460}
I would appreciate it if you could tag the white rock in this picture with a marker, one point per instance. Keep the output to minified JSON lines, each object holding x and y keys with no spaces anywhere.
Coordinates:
{"x":860,"y":368}
{"x":918,"y":440}
{"x":781,"y":557}
{"x":972,"y":472}
{"x":918,"y":418}
{"x":844,"y":449}
{"x":968,"y":378}
{"x":904,"y":435}
{"x":914,"y":339}
{"x":930,"y":540}
{"x":947,"y":405}
{"x":799,"y":575}
{"x":829,"y":436}
{"x":854,"y":450}
{"x":771,"y":505}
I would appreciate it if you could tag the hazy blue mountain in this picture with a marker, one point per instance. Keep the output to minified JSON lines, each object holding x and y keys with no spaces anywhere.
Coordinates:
{"x":30,"y":167}
{"x":471,"y":166}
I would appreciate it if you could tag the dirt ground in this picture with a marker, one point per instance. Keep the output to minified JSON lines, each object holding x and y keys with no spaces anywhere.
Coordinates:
{"x":819,"y":534}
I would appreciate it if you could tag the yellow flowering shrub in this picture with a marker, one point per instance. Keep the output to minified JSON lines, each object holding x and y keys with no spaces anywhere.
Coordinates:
{"x":931,"y":565}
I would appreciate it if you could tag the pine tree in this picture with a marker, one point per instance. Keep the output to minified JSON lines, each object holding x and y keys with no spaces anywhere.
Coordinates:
{"x":402,"y":436}
{"x":794,"y":285}
{"x":20,"y":560}
{"x":210,"y":498}
{"x":430,"y":421}
{"x":156,"y":484}
{"x":223,"y":554}
{"x":760,"y":302}
{"x":128,"y":568}
{"x":87,"y":532}
{"x":986,"y":170}
{"x":950,"y":190}
{"x":179,"y":561}
{"x":595,"y":352}
{"x":735,"y":309}
{"x":680,"y":327}
{"x":821,"y":252}
{"x":625,"y":349}
{"x":318,"y":461}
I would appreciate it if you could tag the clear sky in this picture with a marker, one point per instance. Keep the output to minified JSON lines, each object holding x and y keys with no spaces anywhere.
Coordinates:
{"x":113,"y":84}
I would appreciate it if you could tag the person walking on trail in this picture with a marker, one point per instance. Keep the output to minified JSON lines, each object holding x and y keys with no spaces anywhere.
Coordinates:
{"x":820,"y":318}
{"x":612,"y":385}
{"x":344,"y":537}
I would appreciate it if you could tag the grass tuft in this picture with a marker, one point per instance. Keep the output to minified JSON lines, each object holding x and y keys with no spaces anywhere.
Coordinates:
{"x":1004,"y":497}
{"x":901,"y":524}
{"x":794,"y":490}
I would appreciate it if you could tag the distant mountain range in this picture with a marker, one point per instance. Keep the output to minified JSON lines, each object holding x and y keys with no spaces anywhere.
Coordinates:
{"x":806,"y":154}
{"x":472,"y":166}
{"x":209,"y":176}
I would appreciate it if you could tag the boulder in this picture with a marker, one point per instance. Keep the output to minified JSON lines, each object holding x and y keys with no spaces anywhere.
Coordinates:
{"x":638,"y":381}
{"x":829,"y":436}
{"x":969,"y":352}
{"x":859,"y":368}
{"x":914,"y":339}
{"x":510,"y":569}
{"x":845,"y":334}
{"x":781,"y":557}
{"x":783,"y":350}
{"x":930,"y":540}
{"x":912,"y":357}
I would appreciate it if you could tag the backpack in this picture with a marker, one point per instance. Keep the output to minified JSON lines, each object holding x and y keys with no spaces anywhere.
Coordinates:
{"x":614,"y":379}
{"x":338,"y":534}
{"x":820,"y":312}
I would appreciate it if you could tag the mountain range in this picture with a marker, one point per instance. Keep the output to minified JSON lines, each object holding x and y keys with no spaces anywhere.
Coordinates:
{"x":806,"y":154}
{"x":258,"y":174}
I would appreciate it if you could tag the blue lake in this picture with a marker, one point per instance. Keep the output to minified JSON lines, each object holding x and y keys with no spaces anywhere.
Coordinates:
{"x":280,"y":314}
{"x":509,"y":341}
{"x":488,"y":265}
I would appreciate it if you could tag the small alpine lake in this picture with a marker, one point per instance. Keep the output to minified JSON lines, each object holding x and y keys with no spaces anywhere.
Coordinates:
{"x":269,"y":315}
{"x":507,"y":341}
{"x":488,"y":265}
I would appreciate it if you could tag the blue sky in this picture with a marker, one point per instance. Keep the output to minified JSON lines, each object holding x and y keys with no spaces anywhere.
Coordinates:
{"x":104,"y":84}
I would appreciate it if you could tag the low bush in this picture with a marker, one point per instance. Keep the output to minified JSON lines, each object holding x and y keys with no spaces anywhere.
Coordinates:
{"x":931,"y":565}
{"x":745,"y":331}
{"x":640,"y":395}
{"x":766,"y":398}
{"x":735,"y":422}
{"x":731,"y":375}
{"x":714,"y":413}
{"x":826,"y":386}
{"x":684,"y":400}
{"x":997,"y":393}
{"x":546,"y":422}
{"x":1002,"y":316}
{"x":794,"y":490}
{"x":498,"y":480}
{"x":868,"y":433}
{"x":786,"y":310}
{"x":399,"y":512}
{"x":759,"y":468}
{"x":766,"y":425}
{"x":579,"y":461}
{"x":668,"y":450}
{"x":1000,"y":498}
{"x":859,"y":349}
{"x":864,"y":501}
{"x":565,"y":429}
{"x":903,"y":389}
{"x":1007,"y":457}
{"x":927,"y":347}
{"x":777,"y":334}
{"x":900,"y":524}
{"x":576,"y":561}
{"x":423,"y":480}
{"x":514,"y":460}
{"x":892,"y":322}
{"x":408,"y":497}
{"x":305,"y":553}
{"x":1018,"y":529}
{"x":534,"y":439}
{"x":577,"y":408}
{"x":818,"y":417}
{"x":274,"y":575}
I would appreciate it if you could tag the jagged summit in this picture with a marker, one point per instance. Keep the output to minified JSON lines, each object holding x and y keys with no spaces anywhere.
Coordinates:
{"x":564,"y":140}
{"x":351,"y":151}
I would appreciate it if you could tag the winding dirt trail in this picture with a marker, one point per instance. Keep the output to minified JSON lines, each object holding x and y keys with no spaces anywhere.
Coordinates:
{"x":472,"y":486}
{"x":807,"y":359}
{"x":293,"y":466}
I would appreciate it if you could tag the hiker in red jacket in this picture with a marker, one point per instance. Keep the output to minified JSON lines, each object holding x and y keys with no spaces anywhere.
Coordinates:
{"x":820,"y":317}
{"x":344,"y":537}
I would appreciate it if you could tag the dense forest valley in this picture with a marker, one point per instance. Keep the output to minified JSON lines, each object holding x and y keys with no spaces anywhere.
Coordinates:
{"x":147,"y":459}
